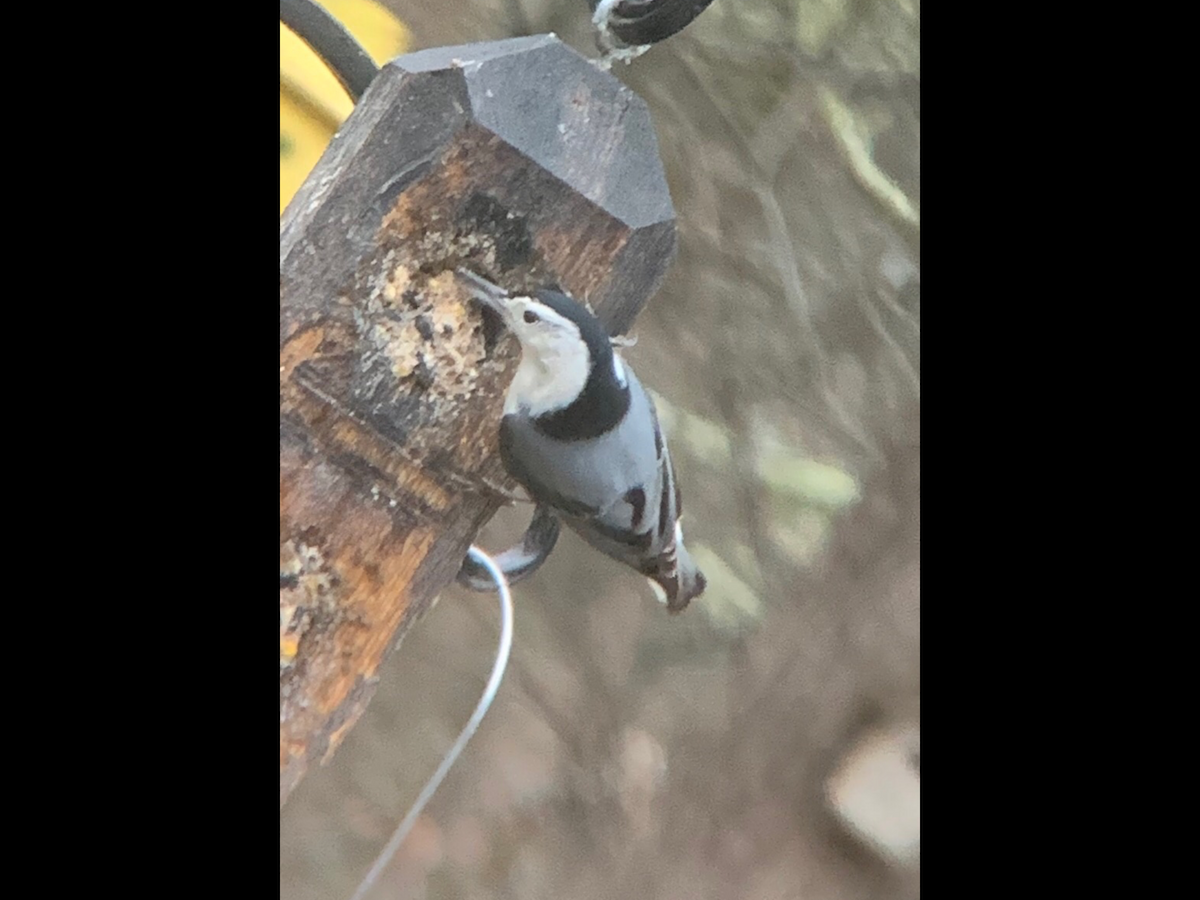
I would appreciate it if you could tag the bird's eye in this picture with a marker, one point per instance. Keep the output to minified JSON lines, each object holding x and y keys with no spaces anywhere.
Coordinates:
{"x":531,"y":316}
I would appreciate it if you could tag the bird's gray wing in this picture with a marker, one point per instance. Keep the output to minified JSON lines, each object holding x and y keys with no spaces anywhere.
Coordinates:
{"x":528,"y":456}
{"x":614,"y":478}
{"x":617,"y":491}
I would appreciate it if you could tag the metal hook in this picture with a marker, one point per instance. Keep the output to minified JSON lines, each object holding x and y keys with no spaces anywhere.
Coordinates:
{"x":519,"y":561}
{"x":640,"y":23}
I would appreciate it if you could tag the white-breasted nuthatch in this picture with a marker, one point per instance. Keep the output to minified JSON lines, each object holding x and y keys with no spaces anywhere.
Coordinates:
{"x":581,"y":435}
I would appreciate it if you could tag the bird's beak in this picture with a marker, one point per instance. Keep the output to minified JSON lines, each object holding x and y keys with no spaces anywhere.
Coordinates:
{"x":490,"y":295}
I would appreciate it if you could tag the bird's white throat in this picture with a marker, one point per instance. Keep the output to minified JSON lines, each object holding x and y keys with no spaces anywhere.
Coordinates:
{"x":550,"y":377}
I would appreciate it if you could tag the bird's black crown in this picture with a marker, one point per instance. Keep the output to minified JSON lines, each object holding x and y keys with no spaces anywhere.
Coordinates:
{"x":603,"y":401}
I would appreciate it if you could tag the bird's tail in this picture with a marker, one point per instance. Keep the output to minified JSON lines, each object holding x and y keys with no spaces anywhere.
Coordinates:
{"x":678,"y":580}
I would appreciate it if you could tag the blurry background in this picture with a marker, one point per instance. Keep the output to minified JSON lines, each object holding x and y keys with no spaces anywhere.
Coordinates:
{"x":632,"y":754}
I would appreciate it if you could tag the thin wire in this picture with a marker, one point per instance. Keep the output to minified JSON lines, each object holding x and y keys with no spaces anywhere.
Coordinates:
{"x":485,"y":701}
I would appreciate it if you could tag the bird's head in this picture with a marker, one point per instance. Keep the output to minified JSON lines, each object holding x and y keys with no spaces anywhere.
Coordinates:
{"x":561,"y":344}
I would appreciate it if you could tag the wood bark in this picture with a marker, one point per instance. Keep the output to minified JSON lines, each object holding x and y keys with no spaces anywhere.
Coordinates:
{"x":518,"y":159}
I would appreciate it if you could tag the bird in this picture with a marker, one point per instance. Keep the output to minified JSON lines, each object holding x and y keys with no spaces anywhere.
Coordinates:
{"x":582,"y":436}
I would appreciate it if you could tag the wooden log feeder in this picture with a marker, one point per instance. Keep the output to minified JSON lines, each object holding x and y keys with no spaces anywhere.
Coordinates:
{"x":518,"y":159}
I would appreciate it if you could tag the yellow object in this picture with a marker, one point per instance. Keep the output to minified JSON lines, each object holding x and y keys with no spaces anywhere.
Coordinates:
{"x":312,"y":104}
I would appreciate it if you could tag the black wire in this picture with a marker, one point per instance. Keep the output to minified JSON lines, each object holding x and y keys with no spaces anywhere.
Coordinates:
{"x":345,"y":57}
